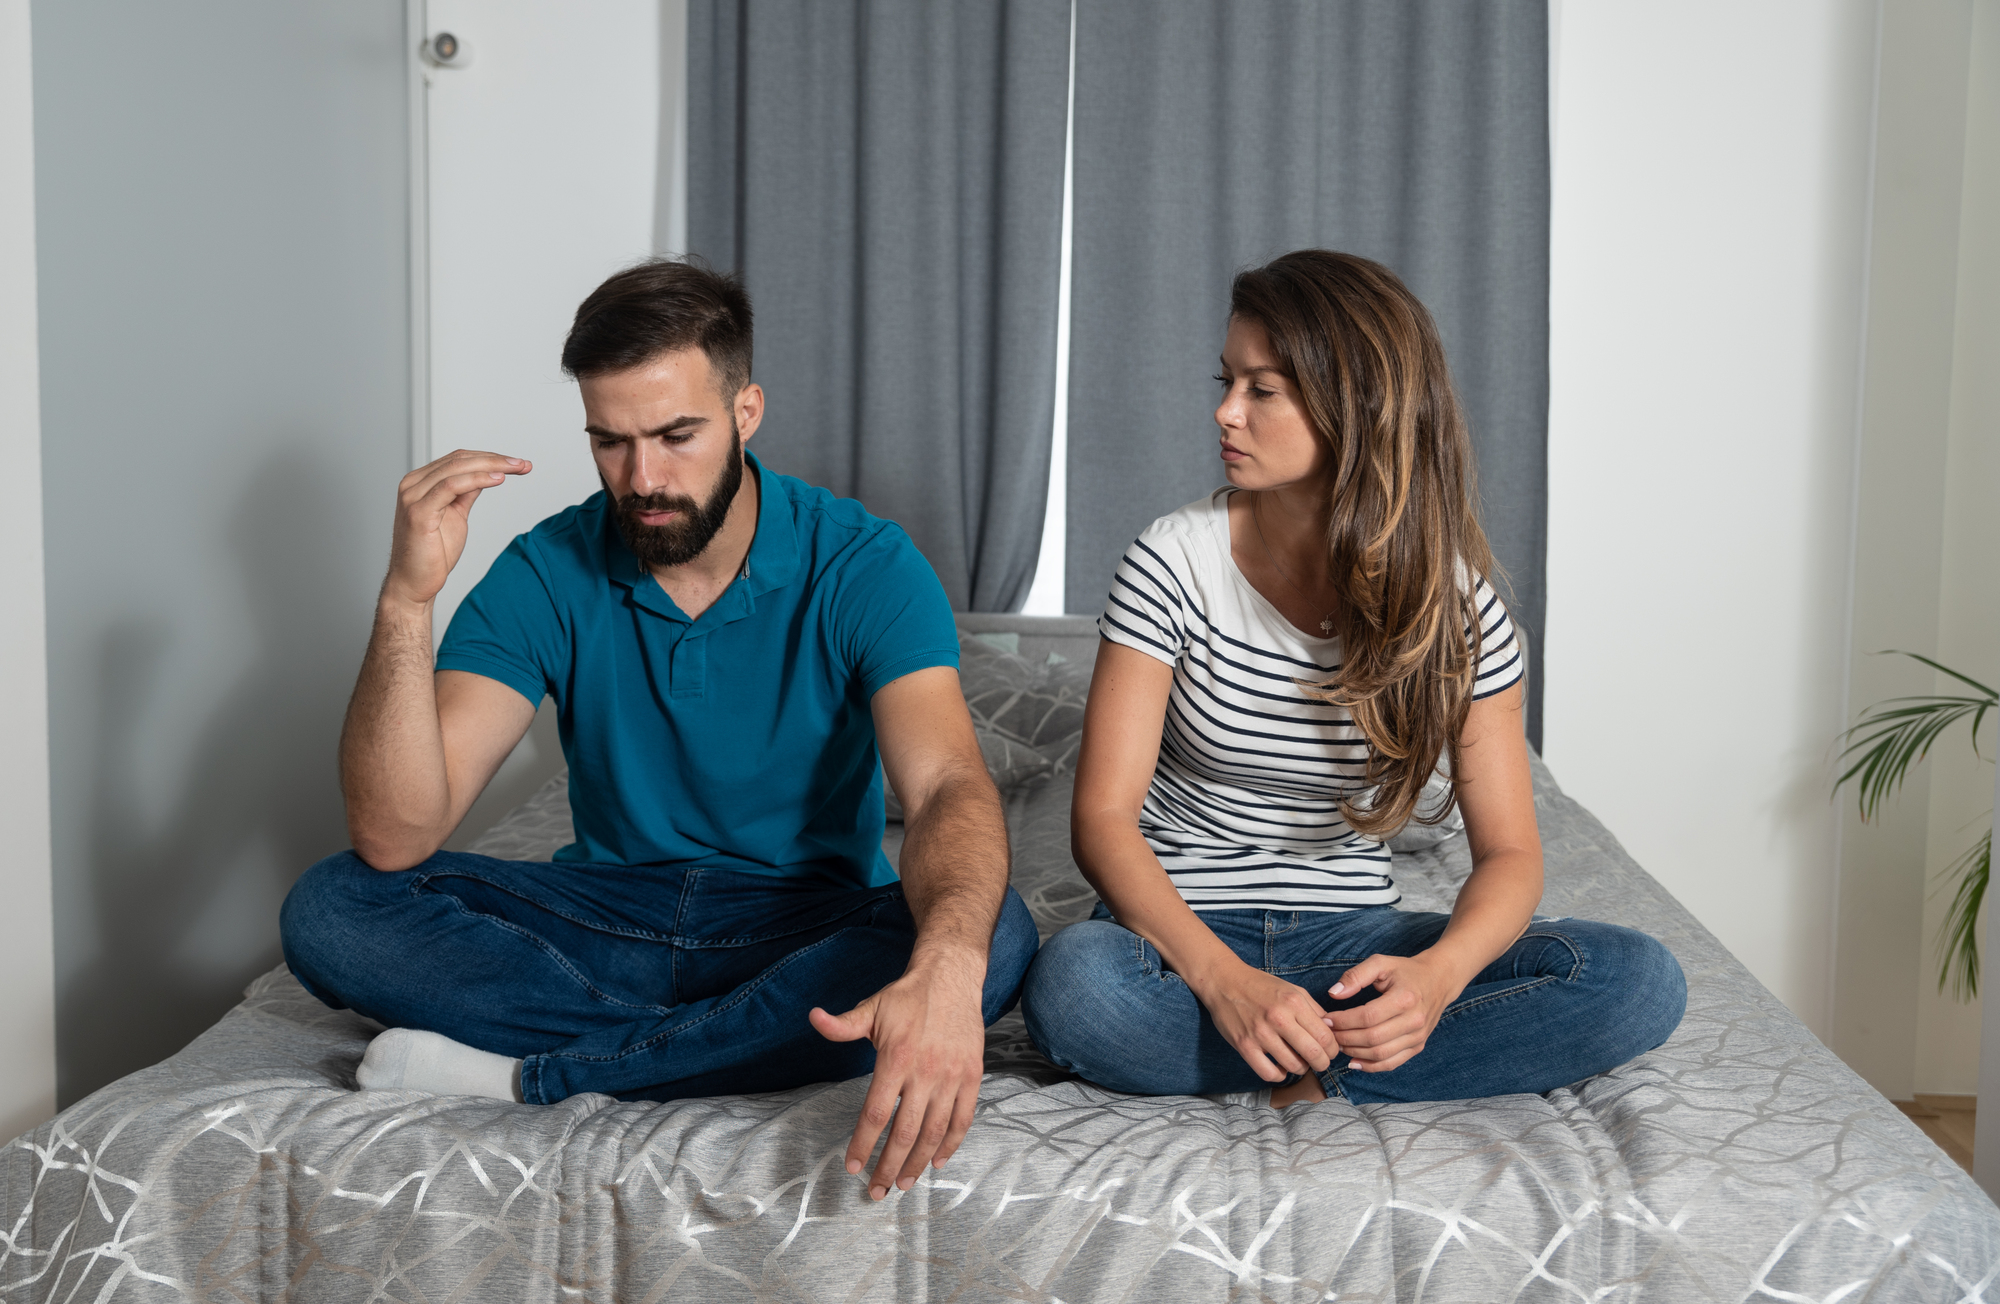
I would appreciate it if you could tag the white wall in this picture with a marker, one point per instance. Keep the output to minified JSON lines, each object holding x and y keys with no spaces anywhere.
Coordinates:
{"x":1710,"y":184}
{"x":227,"y":404}
{"x":221,"y":238}
{"x":27,"y":965}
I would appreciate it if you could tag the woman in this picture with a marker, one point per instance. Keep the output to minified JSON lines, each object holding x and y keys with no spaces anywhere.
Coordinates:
{"x":1286,"y":665}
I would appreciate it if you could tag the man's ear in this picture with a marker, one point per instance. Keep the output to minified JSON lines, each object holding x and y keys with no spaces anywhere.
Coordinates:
{"x":749,"y":409}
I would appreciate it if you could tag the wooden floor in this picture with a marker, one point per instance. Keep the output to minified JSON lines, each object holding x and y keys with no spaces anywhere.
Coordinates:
{"x":1946,"y":1120}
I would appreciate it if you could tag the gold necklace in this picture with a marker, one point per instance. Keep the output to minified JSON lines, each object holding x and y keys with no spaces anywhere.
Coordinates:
{"x":1326,"y":623}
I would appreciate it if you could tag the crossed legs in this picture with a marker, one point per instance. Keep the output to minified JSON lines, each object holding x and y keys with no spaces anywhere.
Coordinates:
{"x":645,"y":983}
{"x":1570,"y":999}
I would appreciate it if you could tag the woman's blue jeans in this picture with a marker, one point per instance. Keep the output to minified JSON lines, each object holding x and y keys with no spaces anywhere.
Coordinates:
{"x":1569,"y":999}
{"x":645,"y":982}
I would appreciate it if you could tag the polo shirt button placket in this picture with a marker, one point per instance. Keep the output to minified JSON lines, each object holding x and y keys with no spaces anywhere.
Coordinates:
{"x":690,"y":666}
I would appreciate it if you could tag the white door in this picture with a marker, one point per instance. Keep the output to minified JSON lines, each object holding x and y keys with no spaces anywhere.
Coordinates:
{"x":536,"y":180}
{"x":543,"y":150}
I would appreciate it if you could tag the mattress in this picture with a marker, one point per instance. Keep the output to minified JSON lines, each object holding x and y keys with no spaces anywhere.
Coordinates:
{"x":1740,"y":1161}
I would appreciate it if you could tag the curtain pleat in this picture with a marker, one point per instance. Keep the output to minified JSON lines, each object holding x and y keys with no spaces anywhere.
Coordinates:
{"x":1214,"y":135}
{"x":887,"y":176}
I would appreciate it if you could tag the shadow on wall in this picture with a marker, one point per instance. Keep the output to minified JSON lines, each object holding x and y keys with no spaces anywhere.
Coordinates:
{"x":185,"y":903}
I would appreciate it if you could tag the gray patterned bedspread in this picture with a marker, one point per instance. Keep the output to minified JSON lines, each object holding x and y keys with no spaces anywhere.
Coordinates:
{"x":1741,"y":1161}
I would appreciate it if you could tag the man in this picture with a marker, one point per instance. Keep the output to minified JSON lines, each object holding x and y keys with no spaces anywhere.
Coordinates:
{"x":736,"y":658}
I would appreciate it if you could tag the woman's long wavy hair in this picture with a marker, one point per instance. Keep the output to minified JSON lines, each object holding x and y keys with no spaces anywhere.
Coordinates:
{"x":1404,"y":542}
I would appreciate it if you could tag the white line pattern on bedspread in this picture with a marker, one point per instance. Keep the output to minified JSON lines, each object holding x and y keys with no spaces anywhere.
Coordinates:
{"x":1741,"y":1161}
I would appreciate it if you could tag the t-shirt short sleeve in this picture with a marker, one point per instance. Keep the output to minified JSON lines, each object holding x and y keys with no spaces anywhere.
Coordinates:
{"x":1500,"y":665}
{"x":891,"y":617}
{"x":1147,"y":609}
{"x":508,"y":627}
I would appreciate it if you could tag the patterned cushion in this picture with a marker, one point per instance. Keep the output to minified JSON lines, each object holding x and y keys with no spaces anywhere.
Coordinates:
{"x":1028,"y":717}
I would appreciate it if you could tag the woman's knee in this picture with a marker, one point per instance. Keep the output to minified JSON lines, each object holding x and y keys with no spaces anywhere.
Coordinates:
{"x":1663,"y":989}
{"x":1013,"y":950}
{"x":1074,"y":959}
{"x":1075,"y":976}
{"x":1644,"y":982}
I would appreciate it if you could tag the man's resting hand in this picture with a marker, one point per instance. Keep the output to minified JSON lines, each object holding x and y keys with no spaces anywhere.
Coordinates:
{"x":930,"y":1050}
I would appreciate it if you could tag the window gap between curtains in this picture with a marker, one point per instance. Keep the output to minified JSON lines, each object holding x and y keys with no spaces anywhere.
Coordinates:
{"x":923,"y":143}
{"x":1046,"y":594}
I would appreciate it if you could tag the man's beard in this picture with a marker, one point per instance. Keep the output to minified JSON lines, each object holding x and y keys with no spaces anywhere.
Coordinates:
{"x":695,"y":524}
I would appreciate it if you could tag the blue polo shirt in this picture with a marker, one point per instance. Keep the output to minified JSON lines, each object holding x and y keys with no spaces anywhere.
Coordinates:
{"x":740,"y":740}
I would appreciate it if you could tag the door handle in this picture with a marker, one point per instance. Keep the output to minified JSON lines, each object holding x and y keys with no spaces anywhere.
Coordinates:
{"x":447,"y":50}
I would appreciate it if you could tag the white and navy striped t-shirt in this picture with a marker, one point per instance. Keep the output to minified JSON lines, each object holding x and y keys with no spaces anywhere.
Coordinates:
{"x":1244,"y":809}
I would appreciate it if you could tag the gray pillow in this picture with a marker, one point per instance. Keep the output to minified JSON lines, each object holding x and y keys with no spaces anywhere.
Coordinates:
{"x":1027,"y":716}
{"x":1030,"y":704}
{"x":1418,"y":837}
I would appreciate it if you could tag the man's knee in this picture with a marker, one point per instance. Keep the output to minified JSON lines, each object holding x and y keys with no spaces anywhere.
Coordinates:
{"x":318,"y":922}
{"x":333,"y":889}
{"x":1008,"y":960}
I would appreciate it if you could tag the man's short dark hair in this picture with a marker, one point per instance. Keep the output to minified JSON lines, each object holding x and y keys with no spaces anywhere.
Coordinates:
{"x":661,"y":306}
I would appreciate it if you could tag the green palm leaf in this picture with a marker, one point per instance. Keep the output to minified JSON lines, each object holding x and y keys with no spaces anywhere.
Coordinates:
{"x":1889,"y":738}
{"x":1958,"y":931}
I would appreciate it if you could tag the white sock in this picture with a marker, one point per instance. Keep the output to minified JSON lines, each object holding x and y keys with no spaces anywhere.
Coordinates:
{"x":409,"y":1060}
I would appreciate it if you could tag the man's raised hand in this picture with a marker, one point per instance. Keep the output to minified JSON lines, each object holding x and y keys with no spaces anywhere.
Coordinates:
{"x":432,"y":505}
{"x":930,"y":1052}
{"x":411,"y":760}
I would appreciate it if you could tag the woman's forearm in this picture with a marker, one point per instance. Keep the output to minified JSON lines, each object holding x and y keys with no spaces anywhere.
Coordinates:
{"x":1116,"y":861}
{"x":1493,"y":910}
{"x":1497,"y":795}
{"x":1277,"y":1026}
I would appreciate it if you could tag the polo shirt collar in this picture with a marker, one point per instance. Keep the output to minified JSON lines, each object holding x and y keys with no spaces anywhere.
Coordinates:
{"x":774,"y":553}
{"x":773,"y":559}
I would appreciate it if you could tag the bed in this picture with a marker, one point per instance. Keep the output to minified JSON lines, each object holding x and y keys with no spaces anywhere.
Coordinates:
{"x":1740,"y":1161}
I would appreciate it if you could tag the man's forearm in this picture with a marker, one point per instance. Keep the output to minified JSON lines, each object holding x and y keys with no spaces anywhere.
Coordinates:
{"x":392,"y":762}
{"x":954,"y":871}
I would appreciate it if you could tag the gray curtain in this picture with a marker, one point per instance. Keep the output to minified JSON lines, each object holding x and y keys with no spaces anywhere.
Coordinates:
{"x":1213,"y":135}
{"x":887,"y":175}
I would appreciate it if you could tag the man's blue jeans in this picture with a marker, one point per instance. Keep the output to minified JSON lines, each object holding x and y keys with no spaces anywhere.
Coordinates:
{"x":1570,"y":999}
{"x":645,"y":982}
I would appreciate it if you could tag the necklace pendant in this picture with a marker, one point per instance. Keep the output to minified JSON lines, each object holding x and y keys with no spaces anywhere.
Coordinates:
{"x":1326,"y":627}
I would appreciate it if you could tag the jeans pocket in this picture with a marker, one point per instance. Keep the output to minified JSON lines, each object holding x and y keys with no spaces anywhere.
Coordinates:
{"x":1146,"y":957}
